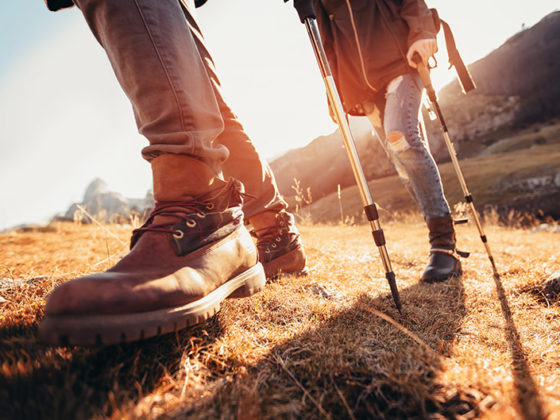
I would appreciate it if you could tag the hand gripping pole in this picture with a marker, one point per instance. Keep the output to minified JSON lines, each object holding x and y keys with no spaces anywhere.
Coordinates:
{"x":370,"y":208}
{"x":426,"y":80}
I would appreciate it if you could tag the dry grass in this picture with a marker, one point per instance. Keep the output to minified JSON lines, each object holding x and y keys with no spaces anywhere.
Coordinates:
{"x":311,"y":347}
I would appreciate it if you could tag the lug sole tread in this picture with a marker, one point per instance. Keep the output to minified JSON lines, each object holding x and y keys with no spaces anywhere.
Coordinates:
{"x":92,"y":330}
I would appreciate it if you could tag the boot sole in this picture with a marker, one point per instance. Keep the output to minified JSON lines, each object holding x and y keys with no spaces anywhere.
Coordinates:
{"x":291,"y":263}
{"x":124,"y":328}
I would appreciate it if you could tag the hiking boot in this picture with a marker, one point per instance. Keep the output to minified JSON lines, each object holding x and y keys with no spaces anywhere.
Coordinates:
{"x":444,"y":258}
{"x":190,"y":255}
{"x":279,"y":243}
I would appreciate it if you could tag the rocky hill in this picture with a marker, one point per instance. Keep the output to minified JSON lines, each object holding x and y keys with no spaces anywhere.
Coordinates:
{"x":517,"y":84}
{"x":327,"y":156}
{"x":107,"y":206}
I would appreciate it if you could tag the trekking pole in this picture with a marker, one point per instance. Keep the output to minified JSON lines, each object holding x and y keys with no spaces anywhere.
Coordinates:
{"x":426,"y":80}
{"x":307,"y":16}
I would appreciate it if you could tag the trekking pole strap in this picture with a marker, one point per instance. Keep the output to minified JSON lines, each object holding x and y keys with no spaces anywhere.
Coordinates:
{"x":455,"y":60}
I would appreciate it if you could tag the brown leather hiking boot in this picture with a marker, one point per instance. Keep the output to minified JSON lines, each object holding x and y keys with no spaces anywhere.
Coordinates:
{"x":279,"y":243}
{"x":444,"y":258}
{"x":187,"y":258}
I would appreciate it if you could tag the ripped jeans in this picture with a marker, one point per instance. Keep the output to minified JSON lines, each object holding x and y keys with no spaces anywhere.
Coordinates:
{"x":396,"y":119}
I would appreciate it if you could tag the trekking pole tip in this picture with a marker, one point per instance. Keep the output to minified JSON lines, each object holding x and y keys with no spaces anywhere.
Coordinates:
{"x":394,"y":290}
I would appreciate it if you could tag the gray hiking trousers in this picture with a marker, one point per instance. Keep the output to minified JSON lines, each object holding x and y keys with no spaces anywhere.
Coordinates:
{"x":158,"y":55}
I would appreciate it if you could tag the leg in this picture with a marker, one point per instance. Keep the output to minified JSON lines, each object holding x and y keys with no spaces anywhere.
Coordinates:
{"x":244,"y":162}
{"x":194,"y":251}
{"x":408,"y":148}
{"x":375,"y":110}
{"x":155,"y":59}
{"x":409,"y":152}
{"x":266,"y":209}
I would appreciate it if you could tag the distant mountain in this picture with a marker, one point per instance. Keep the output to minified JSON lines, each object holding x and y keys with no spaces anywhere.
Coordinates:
{"x":517,"y":84}
{"x":323,"y":163}
{"x":107,"y":206}
{"x":528,"y":66}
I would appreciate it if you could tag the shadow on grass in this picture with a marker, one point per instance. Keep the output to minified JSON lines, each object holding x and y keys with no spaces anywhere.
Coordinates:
{"x":353,"y":365}
{"x":357,"y":365}
{"x":38,"y":382}
{"x":527,"y":394}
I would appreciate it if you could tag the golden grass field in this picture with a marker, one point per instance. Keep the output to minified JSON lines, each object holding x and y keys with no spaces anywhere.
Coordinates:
{"x":328,"y":345}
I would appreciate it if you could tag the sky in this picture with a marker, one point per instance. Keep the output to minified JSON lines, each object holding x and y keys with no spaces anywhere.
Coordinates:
{"x":65,"y":121}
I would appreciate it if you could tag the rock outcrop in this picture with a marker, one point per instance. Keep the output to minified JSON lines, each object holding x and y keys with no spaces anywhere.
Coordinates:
{"x":107,"y":206}
{"x":517,"y":84}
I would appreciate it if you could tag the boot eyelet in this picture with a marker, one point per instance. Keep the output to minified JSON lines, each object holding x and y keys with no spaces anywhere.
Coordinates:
{"x":190,"y":223}
{"x":273,"y":245}
{"x":278,"y":239}
{"x":267,"y":251}
{"x":178,"y":234}
{"x":200,"y":215}
{"x":210,"y":206}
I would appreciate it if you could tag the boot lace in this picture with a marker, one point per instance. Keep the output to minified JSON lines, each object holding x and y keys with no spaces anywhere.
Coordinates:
{"x":189,"y":211}
{"x":269,"y":236}
{"x":179,"y":210}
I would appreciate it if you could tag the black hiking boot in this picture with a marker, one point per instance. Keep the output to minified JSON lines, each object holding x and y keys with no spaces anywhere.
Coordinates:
{"x":444,"y":258}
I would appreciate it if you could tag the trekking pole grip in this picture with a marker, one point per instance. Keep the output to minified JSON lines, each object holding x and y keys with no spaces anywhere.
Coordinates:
{"x":425,"y":76}
{"x":304,"y":9}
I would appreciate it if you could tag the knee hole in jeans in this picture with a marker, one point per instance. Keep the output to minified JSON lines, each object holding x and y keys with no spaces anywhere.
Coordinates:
{"x":397,"y":141}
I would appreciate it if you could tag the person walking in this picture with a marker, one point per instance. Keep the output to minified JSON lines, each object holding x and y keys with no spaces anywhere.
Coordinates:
{"x":371,"y":46}
{"x":194,"y":250}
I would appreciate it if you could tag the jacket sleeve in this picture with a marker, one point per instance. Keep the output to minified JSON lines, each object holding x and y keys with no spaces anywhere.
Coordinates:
{"x":419,"y":19}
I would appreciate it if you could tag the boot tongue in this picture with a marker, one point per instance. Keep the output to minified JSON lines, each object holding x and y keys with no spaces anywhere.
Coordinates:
{"x":218,"y":199}
{"x":168,"y":215}
{"x":164,"y":220}
{"x":225,"y":195}
{"x":263,"y":221}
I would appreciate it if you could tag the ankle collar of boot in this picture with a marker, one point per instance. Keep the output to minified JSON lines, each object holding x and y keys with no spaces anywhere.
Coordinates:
{"x":453,"y":252}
